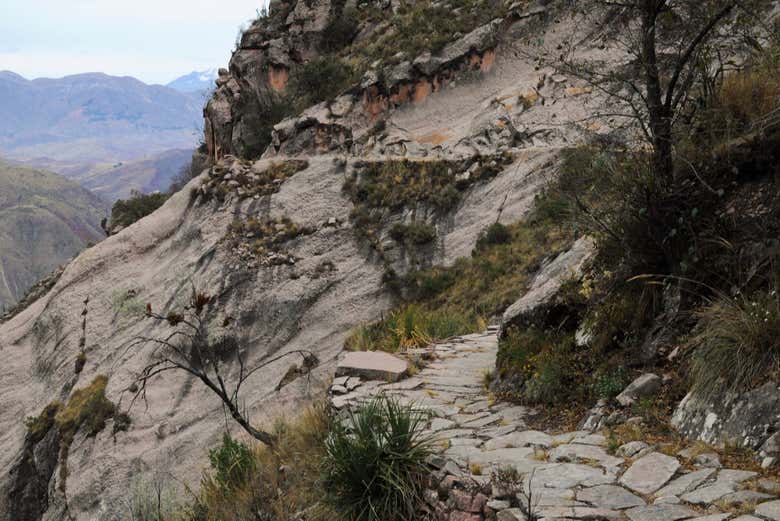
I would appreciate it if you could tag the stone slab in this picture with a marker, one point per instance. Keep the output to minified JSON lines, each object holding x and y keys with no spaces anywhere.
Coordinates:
{"x":610,"y":496}
{"x":372,"y":365}
{"x":650,"y":473}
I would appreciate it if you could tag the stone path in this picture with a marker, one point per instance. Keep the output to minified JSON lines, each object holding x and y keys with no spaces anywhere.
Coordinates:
{"x":571,"y":475}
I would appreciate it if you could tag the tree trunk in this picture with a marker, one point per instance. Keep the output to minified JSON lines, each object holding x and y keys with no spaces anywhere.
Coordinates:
{"x":660,"y":121}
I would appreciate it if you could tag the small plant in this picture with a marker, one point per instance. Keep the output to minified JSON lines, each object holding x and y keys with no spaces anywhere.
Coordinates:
{"x":736,"y":342}
{"x":151,"y":500}
{"x":608,"y":384}
{"x":488,"y":375}
{"x":374,"y":467}
{"x":475,"y":469}
{"x":232,"y":463}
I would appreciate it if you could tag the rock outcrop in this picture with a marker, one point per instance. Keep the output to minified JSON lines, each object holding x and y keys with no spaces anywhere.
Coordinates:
{"x":539,"y":303}
{"x":747,"y":419}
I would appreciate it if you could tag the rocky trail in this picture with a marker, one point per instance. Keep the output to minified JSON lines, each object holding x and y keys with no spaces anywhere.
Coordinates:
{"x":570,"y":475}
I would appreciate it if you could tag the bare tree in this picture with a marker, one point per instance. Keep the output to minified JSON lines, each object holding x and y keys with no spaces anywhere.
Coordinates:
{"x":190,"y":349}
{"x":672,"y":46}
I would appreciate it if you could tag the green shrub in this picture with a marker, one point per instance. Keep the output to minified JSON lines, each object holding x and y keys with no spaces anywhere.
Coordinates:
{"x":232,"y":462}
{"x":428,"y":284}
{"x":267,"y":483}
{"x":128,"y":211}
{"x":340,"y":31}
{"x":608,"y":384}
{"x":546,"y":363}
{"x":496,"y":233}
{"x":319,"y":80}
{"x":414,"y":234}
{"x":737,"y":340}
{"x":374,"y":466}
{"x":395,"y":185}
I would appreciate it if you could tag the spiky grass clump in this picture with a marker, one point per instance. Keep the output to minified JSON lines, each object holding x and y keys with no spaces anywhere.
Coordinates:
{"x":374,"y":466}
{"x":738,"y":340}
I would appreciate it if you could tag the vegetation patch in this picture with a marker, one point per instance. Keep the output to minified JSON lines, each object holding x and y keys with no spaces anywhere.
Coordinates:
{"x":247,"y":180}
{"x":374,"y":466}
{"x":413,"y":234}
{"x":263,"y":240}
{"x":425,"y":26}
{"x":369,"y":466}
{"x":384,"y":188}
{"x":413,"y":326}
{"x":321,"y":79}
{"x":736,"y":341}
{"x":129,"y":211}
{"x":87,"y":411}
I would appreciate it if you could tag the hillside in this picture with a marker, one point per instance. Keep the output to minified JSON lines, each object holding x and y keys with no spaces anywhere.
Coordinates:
{"x":45,"y":221}
{"x":112,"y":181}
{"x":93,"y":118}
{"x":556,"y":252}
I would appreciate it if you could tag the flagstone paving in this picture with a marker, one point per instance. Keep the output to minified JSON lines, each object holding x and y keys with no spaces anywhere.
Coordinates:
{"x":572,"y":475}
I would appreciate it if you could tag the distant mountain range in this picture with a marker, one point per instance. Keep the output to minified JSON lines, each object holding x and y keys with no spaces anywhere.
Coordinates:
{"x":195,"y":82}
{"x":45,"y":220}
{"x":94,"y":117}
{"x":111,"y":134}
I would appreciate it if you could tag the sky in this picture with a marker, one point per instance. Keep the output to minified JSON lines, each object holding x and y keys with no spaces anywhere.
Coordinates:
{"x":155,"y":41}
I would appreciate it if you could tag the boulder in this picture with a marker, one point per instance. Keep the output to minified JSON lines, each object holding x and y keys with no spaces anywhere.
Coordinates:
{"x":372,"y":365}
{"x":538,"y":300}
{"x":631,"y":449}
{"x":646,"y":385}
{"x":747,"y":419}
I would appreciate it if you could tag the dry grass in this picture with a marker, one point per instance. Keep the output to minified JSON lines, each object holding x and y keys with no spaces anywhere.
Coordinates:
{"x":737,"y":341}
{"x":747,"y":97}
{"x":283,"y":481}
{"x":413,"y":326}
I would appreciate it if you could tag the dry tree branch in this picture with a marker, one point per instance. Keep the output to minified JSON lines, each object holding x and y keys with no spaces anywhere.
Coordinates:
{"x":190,"y":349}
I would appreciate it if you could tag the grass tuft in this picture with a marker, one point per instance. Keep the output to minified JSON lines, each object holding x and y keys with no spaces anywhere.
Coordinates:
{"x":737,"y":339}
{"x":374,"y":467}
